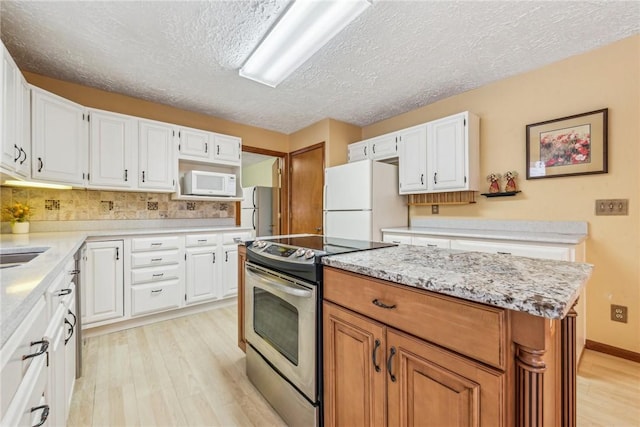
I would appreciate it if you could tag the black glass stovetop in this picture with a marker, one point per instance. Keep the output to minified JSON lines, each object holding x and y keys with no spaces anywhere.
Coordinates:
{"x":323,"y":245}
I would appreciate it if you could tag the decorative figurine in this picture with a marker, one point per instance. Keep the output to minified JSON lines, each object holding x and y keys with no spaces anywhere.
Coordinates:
{"x":510,"y":186}
{"x":494,"y":179}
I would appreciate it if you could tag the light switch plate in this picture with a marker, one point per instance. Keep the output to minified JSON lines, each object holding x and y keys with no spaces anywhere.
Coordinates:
{"x":612,"y":207}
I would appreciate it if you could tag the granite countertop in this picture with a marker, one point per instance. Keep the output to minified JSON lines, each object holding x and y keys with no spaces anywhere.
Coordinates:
{"x":546,"y":288}
{"x":22,"y":286}
{"x":561,"y":232}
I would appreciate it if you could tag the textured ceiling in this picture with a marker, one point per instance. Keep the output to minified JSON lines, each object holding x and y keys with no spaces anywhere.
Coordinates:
{"x":397,"y":56}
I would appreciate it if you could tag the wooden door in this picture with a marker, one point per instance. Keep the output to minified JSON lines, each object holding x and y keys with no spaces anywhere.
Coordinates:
{"x":354,"y":374}
{"x":306,"y":186}
{"x":433,"y":387}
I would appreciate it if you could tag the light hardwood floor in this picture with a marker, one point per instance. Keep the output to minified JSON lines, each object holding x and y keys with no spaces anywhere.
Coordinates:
{"x":190,"y":372}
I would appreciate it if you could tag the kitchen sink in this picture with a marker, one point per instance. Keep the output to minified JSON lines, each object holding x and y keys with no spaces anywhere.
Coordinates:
{"x":14,"y":259}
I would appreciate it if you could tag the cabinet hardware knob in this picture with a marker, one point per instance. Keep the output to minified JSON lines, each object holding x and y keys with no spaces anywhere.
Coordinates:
{"x":374,"y":355}
{"x":383,"y":305}
{"x":44,"y":346}
{"x":117,"y":254}
{"x":391,"y":354}
{"x":43,"y":416}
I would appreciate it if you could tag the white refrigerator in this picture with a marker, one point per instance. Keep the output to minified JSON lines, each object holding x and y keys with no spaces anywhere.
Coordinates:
{"x":362,"y":197}
{"x":256,"y":210}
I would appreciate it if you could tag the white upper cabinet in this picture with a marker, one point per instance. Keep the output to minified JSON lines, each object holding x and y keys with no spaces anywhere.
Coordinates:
{"x":194,"y":145}
{"x":14,"y":95}
{"x":112,"y":150}
{"x":412,"y":164}
{"x":445,"y":159}
{"x":59,"y":139}
{"x":226,"y":149}
{"x":381,"y":147}
{"x":157,"y":156}
{"x":358,"y":151}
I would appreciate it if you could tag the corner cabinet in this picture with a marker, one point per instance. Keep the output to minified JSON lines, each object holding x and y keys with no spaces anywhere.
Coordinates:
{"x":441,"y":155}
{"x":59,"y":139}
{"x":157,"y":156}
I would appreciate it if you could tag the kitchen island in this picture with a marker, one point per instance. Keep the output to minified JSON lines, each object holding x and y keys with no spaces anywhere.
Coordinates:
{"x":449,"y":337}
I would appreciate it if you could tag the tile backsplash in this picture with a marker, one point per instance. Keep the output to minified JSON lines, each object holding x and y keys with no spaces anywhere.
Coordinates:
{"x":82,"y":205}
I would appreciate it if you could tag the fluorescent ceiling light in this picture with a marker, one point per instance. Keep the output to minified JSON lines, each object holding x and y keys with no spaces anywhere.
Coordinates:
{"x":306,"y":26}
{"x":15,"y":183}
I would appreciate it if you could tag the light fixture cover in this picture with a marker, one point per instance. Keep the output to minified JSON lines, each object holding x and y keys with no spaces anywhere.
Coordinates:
{"x":305,"y":27}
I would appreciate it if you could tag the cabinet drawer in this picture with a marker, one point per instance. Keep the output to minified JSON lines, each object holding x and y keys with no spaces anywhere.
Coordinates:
{"x":201,"y":240}
{"x":155,"y":297}
{"x":431,"y":242}
{"x":154,"y":274}
{"x":148,"y":259}
{"x":236,"y":237}
{"x":12,"y":367}
{"x":397,"y":238}
{"x":468,"y":328}
{"x":155,"y":243}
{"x":516,"y":249}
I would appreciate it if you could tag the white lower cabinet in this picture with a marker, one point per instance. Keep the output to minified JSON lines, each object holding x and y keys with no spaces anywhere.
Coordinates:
{"x":562,"y":253}
{"x":431,"y":242}
{"x":201,"y":274}
{"x":102,"y":281}
{"x":57,"y":364}
{"x":229,"y":282}
{"x":154,"y":297}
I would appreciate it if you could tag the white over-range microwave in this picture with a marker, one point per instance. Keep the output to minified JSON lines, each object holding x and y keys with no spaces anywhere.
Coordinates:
{"x":202,"y":183}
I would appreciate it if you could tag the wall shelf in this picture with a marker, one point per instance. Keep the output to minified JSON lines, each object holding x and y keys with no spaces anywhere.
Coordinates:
{"x":444,"y":198}
{"x":501,"y":194}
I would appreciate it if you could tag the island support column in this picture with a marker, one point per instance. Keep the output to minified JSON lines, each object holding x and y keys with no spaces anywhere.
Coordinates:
{"x":569,"y":369}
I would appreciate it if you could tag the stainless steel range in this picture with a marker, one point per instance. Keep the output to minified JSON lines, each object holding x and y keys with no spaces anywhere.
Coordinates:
{"x":283,"y":320}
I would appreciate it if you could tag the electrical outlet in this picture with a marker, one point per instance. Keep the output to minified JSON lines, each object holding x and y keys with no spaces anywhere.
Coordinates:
{"x":435,"y":209}
{"x":612,"y":207}
{"x":619,"y":313}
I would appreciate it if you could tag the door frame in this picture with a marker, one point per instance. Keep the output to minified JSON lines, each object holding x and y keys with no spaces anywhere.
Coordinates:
{"x":294,"y":153}
{"x":284,"y":185}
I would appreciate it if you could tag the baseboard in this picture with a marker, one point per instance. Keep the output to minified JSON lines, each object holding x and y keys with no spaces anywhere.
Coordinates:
{"x":613,"y":351}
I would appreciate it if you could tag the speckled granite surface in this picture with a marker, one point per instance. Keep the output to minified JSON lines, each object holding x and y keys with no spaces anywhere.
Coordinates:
{"x":540,"y":287}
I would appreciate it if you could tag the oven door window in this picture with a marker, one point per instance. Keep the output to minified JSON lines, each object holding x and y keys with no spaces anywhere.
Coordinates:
{"x":276,"y":321}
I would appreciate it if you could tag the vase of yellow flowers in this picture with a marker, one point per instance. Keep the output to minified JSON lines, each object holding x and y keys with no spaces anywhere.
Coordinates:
{"x":19,"y":214}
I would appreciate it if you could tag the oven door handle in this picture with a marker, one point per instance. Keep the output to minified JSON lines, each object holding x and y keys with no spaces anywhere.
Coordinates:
{"x":278,"y":283}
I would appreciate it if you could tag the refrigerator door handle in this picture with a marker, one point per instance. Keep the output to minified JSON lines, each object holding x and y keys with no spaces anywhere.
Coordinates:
{"x":253,"y":219}
{"x":253,"y":196}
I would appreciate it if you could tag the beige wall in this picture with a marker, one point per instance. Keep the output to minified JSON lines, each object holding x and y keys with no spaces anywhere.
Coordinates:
{"x":312,"y":134}
{"x":605,"y":78}
{"x":335,"y":134}
{"x":251,"y":136}
{"x":259,"y":174}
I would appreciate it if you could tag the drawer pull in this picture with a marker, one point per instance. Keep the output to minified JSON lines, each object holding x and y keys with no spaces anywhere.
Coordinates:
{"x":396,"y":241}
{"x":156,"y":291}
{"x":432,"y":246}
{"x":74,"y":272}
{"x":374,"y":355}
{"x":391,"y":354}
{"x":383,"y":305}
{"x":156,"y":259}
{"x":202,"y":240}
{"x":44,"y":347}
{"x":43,"y":416}
{"x":158,"y":275}
{"x":504,"y":253}
{"x":156,"y":244}
{"x":63,"y":292}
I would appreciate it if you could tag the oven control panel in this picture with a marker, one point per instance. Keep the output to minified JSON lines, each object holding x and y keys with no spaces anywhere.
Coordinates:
{"x":283,"y":252}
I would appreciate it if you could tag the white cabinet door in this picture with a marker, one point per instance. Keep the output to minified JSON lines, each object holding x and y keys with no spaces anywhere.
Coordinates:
{"x":358,"y":151}
{"x":446,"y":153}
{"x":412,"y":163}
{"x":226,"y":149}
{"x":229,"y":271}
{"x":70,"y":346}
{"x":202,"y":274}
{"x":194,"y":145}
{"x":56,"y":360}
{"x":113,"y":144}
{"x":157,"y":156}
{"x":23,"y":163}
{"x":384,"y":147}
{"x":10,"y":106}
{"x":59,"y":139}
{"x":102,"y":281}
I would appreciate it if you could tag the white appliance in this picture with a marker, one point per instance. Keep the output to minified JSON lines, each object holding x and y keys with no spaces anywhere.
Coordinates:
{"x":202,"y":183}
{"x":257,"y":211}
{"x":360,"y":198}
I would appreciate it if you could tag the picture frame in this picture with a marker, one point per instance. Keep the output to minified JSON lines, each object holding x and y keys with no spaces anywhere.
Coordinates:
{"x":568,"y":146}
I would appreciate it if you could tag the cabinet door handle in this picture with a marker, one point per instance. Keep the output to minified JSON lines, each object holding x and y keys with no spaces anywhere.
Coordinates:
{"x":19,"y":154}
{"x":43,"y":416}
{"x":157,"y":244}
{"x":40,"y":164}
{"x":383,"y":305}
{"x":374,"y":148}
{"x":206,"y":147}
{"x":156,"y":291}
{"x":44,"y":346}
{"x":71,"y":330}
{"x":214,"y":257}
{"x":435,"y":177}
{"x":126,"y":175}
{"x":156,"y":259}
{"x":74,"y":272}
{"x":157,"y":275}
{"x":365,"y":150}
{"x":374,"y":355}
{"x":218,"y":149}
{"x":63,"y":292}
{"x":421,"y":179}
{"x":75,"y":319}
{"x":504,"y":253}
{"x":142,"y":176}
{"x":25,"y":155}
{"x":117,"y":254}
{"x":226,"y":256}
{"x":391,"y":354}
{"x":432,"y":246}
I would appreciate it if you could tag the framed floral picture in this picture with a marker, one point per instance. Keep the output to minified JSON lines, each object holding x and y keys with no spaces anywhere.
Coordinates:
{"x":574,"y":145}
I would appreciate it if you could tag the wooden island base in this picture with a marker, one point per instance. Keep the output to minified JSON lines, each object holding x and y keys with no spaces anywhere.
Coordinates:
{"x":431,"y":359}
